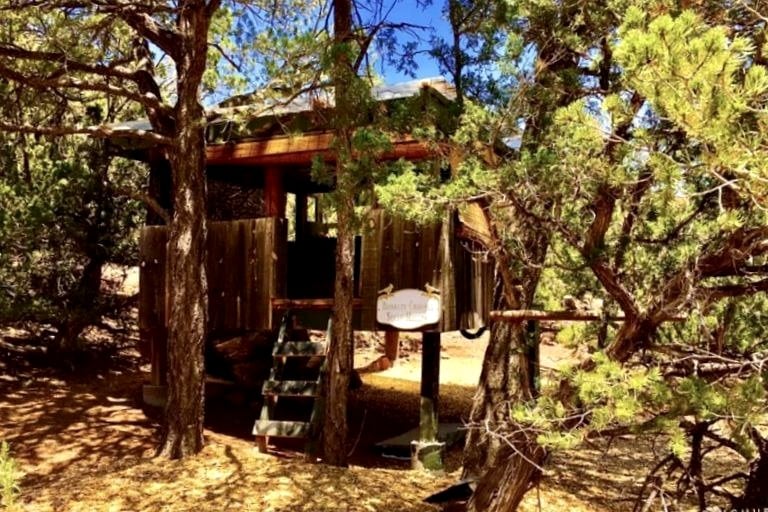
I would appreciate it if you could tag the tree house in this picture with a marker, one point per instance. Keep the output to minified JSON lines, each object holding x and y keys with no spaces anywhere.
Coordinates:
{"x":270,"y":237}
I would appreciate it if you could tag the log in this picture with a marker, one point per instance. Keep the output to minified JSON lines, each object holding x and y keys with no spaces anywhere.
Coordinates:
{"x":521,"y":315}
{"x":314,"y":304}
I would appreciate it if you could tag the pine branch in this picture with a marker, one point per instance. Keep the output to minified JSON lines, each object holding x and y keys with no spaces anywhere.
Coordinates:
{"x":735,"y":290}
{"x":167,"y":39}
{"x":594,"y":242}
{"x":104,"y":132}
{"x":66,"y":63}
{"x":149,"y":201}
{"x":44,"y":84}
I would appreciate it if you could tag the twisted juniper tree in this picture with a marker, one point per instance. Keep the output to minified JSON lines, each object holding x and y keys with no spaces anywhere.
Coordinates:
{"x":642,"y":169}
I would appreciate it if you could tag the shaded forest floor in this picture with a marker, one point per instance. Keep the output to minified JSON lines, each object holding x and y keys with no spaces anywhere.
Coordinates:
{"x":83,"y":443}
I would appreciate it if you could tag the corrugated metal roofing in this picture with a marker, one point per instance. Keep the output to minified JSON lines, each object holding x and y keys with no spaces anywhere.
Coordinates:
{"x":307,"y":102}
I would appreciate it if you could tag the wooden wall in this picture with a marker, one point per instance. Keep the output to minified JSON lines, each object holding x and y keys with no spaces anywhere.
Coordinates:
{"x":406,"y":255}
{"x":246,"y":268}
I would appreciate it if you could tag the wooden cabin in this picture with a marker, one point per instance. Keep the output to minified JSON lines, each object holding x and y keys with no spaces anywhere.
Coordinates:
{"x":270,"y":242}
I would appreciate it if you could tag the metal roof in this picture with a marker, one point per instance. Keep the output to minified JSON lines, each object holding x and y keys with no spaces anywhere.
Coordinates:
{"x":308,"y":102}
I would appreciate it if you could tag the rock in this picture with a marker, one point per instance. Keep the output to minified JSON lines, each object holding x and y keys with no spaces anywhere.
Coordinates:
{"x":378,"y":365}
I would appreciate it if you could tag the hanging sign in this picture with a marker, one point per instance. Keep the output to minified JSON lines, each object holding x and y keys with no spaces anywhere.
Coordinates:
{"x":408,"y":308}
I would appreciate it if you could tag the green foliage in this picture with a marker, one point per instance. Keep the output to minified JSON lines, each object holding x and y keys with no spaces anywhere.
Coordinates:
{"x":63,"y":207}
{"x":704,"y":79}
{"x":9,"y":477}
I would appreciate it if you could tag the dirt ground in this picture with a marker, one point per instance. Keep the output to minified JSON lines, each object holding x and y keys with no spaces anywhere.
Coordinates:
{"x":83,"y":443}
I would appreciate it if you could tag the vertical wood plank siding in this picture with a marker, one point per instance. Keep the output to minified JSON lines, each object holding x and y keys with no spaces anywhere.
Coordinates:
{"x":247,"y":267}
{"x":245,"y":264}
{"x":407,"y":255}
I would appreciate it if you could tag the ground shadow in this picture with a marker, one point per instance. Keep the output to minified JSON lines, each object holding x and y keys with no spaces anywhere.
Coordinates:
{"x":56,"y":411}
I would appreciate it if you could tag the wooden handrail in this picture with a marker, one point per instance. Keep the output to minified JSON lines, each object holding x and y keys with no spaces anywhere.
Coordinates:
{"x":316,"y":304}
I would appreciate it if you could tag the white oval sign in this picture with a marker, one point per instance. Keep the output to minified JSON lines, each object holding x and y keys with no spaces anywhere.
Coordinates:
{"x":408,"y":309}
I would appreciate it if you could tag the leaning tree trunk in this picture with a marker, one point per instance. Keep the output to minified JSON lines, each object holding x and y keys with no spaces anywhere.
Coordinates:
{"x":755,"y":495}
{"x":506,"y":467}
{"x":513,"y":474}
{"x":188,"y":288}
{"x":490,"y":402}
{"x":505,"y":473}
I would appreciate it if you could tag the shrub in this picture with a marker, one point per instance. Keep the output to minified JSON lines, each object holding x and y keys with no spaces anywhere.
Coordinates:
{"x":9,"y":477}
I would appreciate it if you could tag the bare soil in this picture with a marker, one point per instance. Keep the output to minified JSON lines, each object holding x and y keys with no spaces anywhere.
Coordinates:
{"x":83,"y":443}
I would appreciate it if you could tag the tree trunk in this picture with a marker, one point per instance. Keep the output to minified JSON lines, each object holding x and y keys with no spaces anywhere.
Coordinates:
{"x":510,"y":478}
{"x":188,"y":301}
{"x":82,"y":305}
{"x":188,"y":288}
{"x":83,"y":301}
{"x":490,"y":401}
{"x":505,"y":474}
{"x":340,"y":350}
{"x":755,"y":496}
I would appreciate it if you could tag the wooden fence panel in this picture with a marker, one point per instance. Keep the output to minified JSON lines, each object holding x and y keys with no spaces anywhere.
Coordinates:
{"x":243,"y":263}
{"x":152,"y":254}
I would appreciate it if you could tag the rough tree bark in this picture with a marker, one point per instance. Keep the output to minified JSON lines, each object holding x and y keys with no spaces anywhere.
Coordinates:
{"x":188,"y":289}
{"x":180,"y":31}
{"x":340,"y":350}
{"x":755,"y":495}
{"x":490,"y":401}
{"x":504,"y":473}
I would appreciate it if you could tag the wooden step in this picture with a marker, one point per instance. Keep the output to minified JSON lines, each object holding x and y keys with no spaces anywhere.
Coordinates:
{"x":299,"y":349}
{"x":308,"y":388}
{"x":277,"y":428}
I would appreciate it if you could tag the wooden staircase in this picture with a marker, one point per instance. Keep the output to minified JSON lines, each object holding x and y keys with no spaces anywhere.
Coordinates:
{"x":292,"y":405}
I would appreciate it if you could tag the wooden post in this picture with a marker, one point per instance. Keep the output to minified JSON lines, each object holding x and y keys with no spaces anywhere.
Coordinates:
{"x":153,"y":311}
{"x":154,"y":394}
{"x":301,"y":216}
{"x":392,"y":345}
{"x":532,"y":355}
{"x":159,"y":357}
{"x":427,"y":452}
{"x":274,"y":192}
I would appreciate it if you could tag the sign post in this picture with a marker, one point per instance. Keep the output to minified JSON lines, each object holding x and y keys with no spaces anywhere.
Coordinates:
{"x":409,"y":309}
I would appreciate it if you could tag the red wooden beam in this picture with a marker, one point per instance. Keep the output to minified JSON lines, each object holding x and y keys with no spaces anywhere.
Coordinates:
{"x":274,"y":192}
{"x":303,"y":149}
